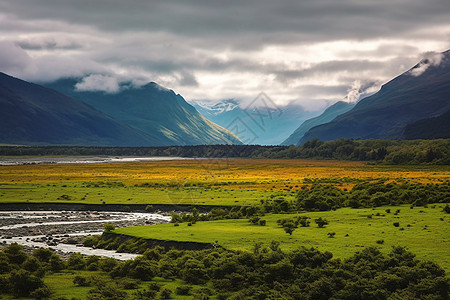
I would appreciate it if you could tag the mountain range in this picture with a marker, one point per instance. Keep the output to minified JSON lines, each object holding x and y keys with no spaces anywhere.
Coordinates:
{"x":32,"y":114}
{"x":414,"y":105}
{"x":260,"y":122}
{"x":154,"y":110}
{"x":146,"y":116}
{"x":408,"y":106}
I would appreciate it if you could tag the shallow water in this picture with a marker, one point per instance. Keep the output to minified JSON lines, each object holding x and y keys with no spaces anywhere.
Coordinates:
{"x":15,"y":227}
{"x":68,"y":248}
{"x":7,"y":161}
{"x":103,"y":217}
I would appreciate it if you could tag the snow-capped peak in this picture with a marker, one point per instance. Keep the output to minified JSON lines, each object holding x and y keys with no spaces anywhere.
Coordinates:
{"x":216,"y":108}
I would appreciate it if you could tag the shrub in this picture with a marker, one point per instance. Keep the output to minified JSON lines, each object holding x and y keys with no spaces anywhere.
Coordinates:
{"x":303,"y":221}
{"x":144,"y":294}
{"x":183,"y":290}
{"x":81,"y":281}
{"x":254,"y":220}
{"x":321,"y":222}
{"x":396,"y":224}
{"x":107,"y":264}
{"x":446,"y":209}
{"x":165,"y":293}
{"x":289,"y":227}
{"x":76,"y":261}
{"x":23,"y":283}
{"x":108,"y":227}
{"x":153,"y":286}
{"x":41,"y":293}
{"x":129,"y":284}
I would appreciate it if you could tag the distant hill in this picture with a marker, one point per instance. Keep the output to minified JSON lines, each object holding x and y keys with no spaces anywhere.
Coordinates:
{"x":328,"y":115}
{"x":432,"y":128}
{"x":154,"y":110}
{"x":421,"y":93}
{"x":34,"y":115}
{"x":268,"y":126}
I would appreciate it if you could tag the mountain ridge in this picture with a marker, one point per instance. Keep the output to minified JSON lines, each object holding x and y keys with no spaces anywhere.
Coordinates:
{"x":33,"y":114}
{"x":155,"y":110}
{"x":420,"y":93}
{"x":268,"y":126}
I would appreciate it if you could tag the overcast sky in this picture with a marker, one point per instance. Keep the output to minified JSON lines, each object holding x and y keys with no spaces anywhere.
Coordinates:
{"x":313,"y":52}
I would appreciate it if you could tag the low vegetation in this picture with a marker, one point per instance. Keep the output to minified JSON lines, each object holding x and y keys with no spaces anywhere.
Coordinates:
{"x":264,"y":273}
{"x":423,"y":230}
{"x":280,"y":228}
{"x":225,"y":182}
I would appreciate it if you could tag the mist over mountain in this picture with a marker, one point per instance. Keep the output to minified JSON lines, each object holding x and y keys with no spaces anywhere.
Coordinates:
{"x":421,"y":93}
{"x":154,"y":110}
{"x":261,"y":122}
{"x":328,"y":115}
{"x":34,"y":115}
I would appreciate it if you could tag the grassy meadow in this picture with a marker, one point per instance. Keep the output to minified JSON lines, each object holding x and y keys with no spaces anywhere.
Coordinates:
{"x":62,"y":284}
{"x":236,"y":182}
{"x":197,"y":181}
{"x":424,"y":231}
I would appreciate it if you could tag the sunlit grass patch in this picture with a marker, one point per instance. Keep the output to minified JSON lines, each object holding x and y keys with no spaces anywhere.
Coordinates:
{"x":421,"y":230}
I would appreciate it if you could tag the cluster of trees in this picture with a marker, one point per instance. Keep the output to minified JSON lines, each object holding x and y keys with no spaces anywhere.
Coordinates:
{"x":383,"y":151}
{"x":323,"y":197}
{"x":289,"y":225}
{"x":21,"y":274}
{"x":235,"y":212}
{"x":265,"y":273}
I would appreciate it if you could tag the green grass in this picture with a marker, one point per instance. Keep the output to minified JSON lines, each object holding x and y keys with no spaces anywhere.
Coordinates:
{"x":76,"y":193}
{"x":427,"y":235}
{"x":62,"y":285}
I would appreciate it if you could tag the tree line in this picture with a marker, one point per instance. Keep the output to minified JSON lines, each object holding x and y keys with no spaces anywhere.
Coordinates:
{"x":264,"y":273}
{"x":381,"y":151}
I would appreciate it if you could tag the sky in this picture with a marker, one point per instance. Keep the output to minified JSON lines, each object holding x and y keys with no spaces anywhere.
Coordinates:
{"x":307,"y":52}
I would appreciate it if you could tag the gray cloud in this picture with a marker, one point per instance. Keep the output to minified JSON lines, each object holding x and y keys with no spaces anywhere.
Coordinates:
{"x":13,"y":59}
{"x":98,"y":82}
{"x":430,"y":59}
{"x":307,"y":51}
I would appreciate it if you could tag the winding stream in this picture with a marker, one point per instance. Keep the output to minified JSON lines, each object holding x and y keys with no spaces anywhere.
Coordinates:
{"x":62,"y":231}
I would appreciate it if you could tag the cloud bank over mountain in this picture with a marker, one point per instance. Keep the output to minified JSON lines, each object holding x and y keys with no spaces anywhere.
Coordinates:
{"x":309,"y":51}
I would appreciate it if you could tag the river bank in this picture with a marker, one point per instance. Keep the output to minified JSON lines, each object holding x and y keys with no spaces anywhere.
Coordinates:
{"x":64,"y":231}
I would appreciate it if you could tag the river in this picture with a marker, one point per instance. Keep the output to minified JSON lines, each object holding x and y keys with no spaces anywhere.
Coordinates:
{"x":10,"y":161}
{"x":63,"y":231}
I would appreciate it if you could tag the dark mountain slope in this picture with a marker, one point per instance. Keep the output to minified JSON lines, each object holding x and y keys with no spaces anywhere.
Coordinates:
{"x":32,"y":114}
{"x":328,"y":115}
{"x":432,"y":128}
{"x":154,"y":110}
{"x":400,"y":102}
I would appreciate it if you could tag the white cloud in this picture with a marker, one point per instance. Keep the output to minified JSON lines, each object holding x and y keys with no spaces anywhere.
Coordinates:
{"x":359,"y":90}
{"x":99,"y":83}
{"x":13,"y":59}
{"x":429,"y":59}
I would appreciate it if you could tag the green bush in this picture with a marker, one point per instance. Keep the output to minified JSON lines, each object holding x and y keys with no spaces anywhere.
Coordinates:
{"x":183,"y":290}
